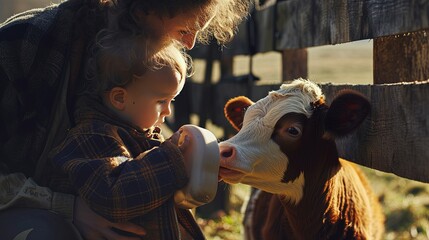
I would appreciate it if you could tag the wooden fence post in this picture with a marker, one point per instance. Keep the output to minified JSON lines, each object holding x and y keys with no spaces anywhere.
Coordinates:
{"x":226,"y":66}
{"x":294,"y":64}
{"x":401,"y":58}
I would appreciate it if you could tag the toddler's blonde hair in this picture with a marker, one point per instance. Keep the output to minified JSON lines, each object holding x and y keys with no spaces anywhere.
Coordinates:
{"x":118,"y":58}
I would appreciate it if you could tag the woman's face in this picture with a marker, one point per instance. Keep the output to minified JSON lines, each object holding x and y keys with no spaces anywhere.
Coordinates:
{"x":183,"y":27}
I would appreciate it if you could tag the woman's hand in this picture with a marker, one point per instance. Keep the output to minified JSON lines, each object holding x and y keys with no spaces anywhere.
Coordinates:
{"x":93,"y":227}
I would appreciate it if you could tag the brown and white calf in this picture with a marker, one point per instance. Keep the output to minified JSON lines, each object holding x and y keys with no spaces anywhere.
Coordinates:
{"x":285,"y":148}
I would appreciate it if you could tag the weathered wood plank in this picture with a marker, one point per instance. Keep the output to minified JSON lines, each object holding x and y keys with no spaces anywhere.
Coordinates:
{"x":394,"y":139}
{"x":401,"y":58}
{"x":305,"y":23}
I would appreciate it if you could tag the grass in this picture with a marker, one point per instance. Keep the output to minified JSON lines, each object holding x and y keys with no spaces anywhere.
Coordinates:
{"x":405,"y":204}
{"x":227,"y":227}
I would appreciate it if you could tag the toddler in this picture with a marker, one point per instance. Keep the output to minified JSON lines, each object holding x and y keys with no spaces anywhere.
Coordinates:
{"x":114,"y":158}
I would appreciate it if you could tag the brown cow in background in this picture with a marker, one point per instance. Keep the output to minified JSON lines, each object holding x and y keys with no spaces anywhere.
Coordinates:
{"x":285,"y":148}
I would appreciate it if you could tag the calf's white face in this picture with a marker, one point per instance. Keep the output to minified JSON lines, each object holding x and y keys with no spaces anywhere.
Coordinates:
{"x":271,"y":135}
{"x":251,"y":156}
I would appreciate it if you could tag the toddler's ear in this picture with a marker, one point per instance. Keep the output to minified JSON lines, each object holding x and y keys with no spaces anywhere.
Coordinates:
{"x":117,"y":98}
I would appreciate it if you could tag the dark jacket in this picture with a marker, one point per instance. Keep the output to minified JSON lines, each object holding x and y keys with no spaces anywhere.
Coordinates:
{"x":41,"y":52}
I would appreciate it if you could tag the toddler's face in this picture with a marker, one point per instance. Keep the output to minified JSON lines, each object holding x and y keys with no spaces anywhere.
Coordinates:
{"x":149,"y":98}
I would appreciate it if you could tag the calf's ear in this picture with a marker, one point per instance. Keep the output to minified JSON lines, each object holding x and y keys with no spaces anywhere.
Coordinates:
{"x":347,"y":111}
{"x":235,"y":109}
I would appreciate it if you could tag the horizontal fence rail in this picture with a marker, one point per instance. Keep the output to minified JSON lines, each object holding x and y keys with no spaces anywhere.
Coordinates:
{"x":294,"y":24}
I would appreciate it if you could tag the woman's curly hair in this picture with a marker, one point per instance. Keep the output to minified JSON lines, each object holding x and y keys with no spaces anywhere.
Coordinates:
{"x":229,"y":14}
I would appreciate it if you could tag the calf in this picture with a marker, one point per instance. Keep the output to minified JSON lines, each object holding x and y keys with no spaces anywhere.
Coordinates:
{"x":285,"y":148}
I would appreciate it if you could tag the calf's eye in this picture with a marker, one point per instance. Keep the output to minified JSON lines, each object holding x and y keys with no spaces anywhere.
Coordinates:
{"x":294,"y":131}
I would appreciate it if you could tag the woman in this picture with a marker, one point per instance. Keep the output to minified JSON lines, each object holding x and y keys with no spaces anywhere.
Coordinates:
{"x":42,"y":57}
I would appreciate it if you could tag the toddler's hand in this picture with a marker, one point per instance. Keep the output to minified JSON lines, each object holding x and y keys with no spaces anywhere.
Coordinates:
{"x":181,"y":142}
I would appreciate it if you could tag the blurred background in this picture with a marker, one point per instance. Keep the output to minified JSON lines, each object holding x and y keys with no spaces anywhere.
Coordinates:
{"x":405,"y":202}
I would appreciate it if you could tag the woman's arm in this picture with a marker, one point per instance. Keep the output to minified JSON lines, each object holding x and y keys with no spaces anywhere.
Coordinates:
{"x":19,"y":191}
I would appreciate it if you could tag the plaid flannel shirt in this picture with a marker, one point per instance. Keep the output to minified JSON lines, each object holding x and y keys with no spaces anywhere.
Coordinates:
{"x":122,"y":172}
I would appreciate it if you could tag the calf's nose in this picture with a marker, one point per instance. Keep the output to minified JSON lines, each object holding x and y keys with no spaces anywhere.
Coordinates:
{"x":227,"y":152}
